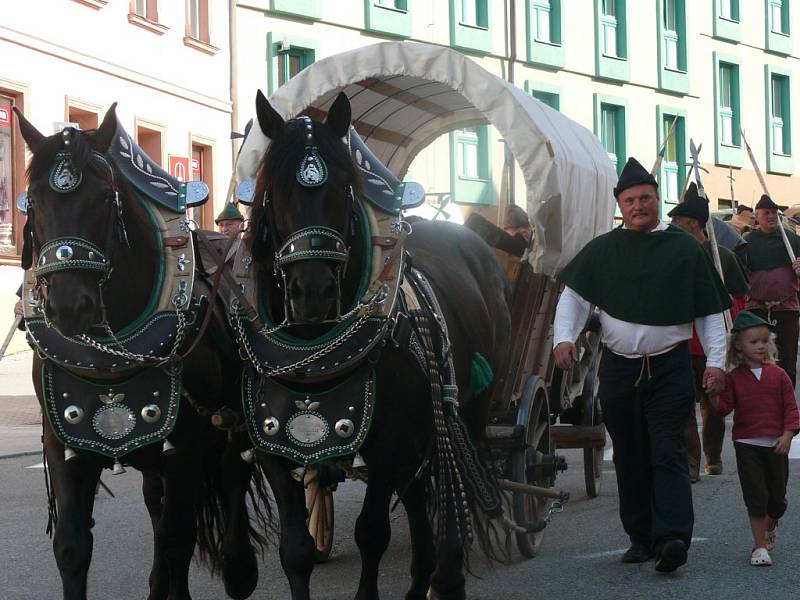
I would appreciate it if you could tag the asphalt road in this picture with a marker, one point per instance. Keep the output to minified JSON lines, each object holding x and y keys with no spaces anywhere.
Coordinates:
{"x":579,"y":558}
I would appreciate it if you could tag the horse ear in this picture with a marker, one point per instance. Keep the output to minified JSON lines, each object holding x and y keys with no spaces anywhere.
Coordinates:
{"x":105,"y":133}
{"x":29,"y":133}
{"x":269,"y":120}
{"x":339,"y":115}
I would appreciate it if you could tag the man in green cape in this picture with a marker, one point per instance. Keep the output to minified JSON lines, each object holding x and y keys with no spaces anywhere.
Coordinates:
{"x":773,"y":281}
{"x":651,"y":283}
{"x":691,"y":215}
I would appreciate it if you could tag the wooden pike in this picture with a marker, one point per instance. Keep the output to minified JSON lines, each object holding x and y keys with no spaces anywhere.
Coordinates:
{"x":712,"y":236}
{"x":760,"y":175}
{"x":663,"y":150}
{"x":11,"y":332}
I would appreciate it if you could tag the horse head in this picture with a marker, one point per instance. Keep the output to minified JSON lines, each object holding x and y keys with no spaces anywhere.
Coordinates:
{"x":74,"y":213}
{"x":304,"y":209}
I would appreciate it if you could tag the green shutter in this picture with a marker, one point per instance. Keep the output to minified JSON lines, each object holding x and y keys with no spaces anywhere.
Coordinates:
{"x":549,"y":53}
{"x":467,"y":187}
{"x":778,"y":110}
{"x":727,"y":28}
{"x":298,"y":48}
{"x":608,"y":66}
{"x":727,"y":154}
{"x":779,"y":42}
{"x":310,"y":9}
{"x":387,"y":19}
{"x":472,"y":38}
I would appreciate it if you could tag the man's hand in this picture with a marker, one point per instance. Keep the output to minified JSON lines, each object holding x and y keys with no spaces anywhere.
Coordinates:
{"x":796,"y":266}
{"x":784,"y":443}
{"x":714,"y":381}
{"x":565,"y":354}
{"x":18,"y":309}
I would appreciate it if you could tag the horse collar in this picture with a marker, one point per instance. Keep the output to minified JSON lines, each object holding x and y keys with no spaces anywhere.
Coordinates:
{"x":312,"y":172}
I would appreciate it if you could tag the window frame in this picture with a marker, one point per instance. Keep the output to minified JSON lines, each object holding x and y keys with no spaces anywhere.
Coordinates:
{"x":779,"y":42}
{"x":779,"y":162}
{"x":305,"y":9}
{"x":207,"y":144}
{"x":16,"y":94}
{"x":725,"y":28}
{"x":620,"y":125}
{"x":154,"y":126}
{"x":466,"y":189}
{"x":149,"y":20}
{"x":728,"y":154}
{"x":545,"y":53}
{"x":388,"y":20}
{"x":606,"y":66}
{"x":471,"y":38}
{"x":274,"y":41}
{"x":673,"y":79}
{"x":554,"y":92}
{"x":662,"y":113}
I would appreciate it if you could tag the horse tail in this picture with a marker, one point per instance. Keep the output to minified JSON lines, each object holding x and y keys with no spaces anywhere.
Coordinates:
{"x":216,"y":499}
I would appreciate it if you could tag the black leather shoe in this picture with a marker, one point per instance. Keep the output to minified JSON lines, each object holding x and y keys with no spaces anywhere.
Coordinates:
{"x":637,"y":553}
{"x":671,"y":555}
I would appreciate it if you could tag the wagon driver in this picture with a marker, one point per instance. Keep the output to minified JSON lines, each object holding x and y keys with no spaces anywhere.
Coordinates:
{"x":651,"y":282}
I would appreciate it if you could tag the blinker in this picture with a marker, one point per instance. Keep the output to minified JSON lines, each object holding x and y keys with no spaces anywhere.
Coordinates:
{"x":22,"y":203}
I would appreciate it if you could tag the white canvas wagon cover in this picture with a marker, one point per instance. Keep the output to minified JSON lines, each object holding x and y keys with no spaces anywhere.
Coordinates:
{"x":405,"y":94}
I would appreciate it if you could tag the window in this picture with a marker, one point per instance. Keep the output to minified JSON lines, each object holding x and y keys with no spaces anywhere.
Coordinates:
{"x":390,"y":17}
{"x":308,"y":9}
{"x":724,"y":203}
{"x":611,"y":39}
{"x":779,"y":16}
{"x":611,"y":127}
{"x":287,"y":57}
{"x":550,"y":99}
{"x":545,"y":33}
{"x":778,"y":21}
{"x":673,"y":138}
{"x":779,"y":125}
{"x":149,"y":141}
{"x":202,"y":170}
{"x":471,"y":172}
{"x":726,"y":104}
{"x":85,"y":119}
{"x":726,"y":20}
{"x":7,"y":200}
{"x":727,"y":130}
{"x":144,"y":13}
{"x":197,"y":26}
{"x":470,"y":23}
{"x":672,"y":50}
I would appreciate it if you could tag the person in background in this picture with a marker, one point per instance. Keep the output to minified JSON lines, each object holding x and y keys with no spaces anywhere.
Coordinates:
{"x":651,"y":282}
{"x":518,"y":224}
{"x":765,"y":419}
{"x":691,"y":215}
{"x":743,"y":219}
{"x":773,"y":281}
{"x":230,"y":220}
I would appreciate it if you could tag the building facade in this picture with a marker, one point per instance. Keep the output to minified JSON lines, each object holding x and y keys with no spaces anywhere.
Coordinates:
{"x":721,"y":69}
{"x":166,"y":62}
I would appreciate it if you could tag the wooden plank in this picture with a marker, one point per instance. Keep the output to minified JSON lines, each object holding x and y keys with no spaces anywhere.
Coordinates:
{"x":578,"y":436}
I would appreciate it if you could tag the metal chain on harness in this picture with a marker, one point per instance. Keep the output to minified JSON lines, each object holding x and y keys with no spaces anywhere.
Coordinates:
{"x":142,"y":359}
{"x":556,"y":507}
{"x":366,"y":308}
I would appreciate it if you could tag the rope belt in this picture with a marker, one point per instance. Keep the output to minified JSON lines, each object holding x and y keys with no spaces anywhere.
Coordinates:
{"x":645,"y":362}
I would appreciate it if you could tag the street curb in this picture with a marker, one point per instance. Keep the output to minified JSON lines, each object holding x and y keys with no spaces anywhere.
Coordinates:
{"x":19,"y":454}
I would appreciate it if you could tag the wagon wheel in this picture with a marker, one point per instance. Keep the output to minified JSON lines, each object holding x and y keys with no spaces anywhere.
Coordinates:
{"x":319,"y":507}
{"x":592,"y":414}
{"x":526,"y":465}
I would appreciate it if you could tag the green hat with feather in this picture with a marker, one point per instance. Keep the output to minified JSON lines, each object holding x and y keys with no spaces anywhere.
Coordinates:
{"x":229,"y":213}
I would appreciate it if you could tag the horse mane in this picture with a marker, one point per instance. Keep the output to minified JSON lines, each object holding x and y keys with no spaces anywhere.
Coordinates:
{"x":279,"y":165}
{"x":79,"y":148}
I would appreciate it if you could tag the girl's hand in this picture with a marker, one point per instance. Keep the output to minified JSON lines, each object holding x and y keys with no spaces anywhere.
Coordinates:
{"x":784,"y":443}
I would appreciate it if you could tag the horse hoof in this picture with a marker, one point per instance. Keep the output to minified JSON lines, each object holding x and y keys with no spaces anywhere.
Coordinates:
{"x":241,"y":581}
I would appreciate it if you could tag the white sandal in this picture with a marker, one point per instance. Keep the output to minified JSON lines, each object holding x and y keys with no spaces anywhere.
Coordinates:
{"x":760,"y":558}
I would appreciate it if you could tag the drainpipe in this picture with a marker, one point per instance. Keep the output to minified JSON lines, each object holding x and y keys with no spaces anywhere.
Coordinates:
{"x":508,"y":158}
{"x":234,"y":94}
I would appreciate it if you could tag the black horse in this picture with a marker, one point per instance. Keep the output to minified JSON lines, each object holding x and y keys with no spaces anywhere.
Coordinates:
{"x":474,"y":297}
{"x":196,"y":492}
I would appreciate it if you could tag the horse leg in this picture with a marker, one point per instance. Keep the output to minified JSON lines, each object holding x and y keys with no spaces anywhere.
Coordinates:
{"x":296,"y":543}
{"x":423,"y":550}
{"x":153,"y":492}
{"x":373,"y":530}
{"x":240,"y":567}
{"x":176,"y":531}
{"x":447,"y":582}
{"x":74,"y":487}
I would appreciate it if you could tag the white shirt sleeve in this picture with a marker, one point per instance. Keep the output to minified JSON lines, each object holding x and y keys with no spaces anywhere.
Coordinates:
{"x":572,"y":312}
{"x":711,"y":331}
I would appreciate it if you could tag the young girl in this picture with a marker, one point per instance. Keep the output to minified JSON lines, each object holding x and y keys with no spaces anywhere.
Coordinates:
{"x":764,"y":422}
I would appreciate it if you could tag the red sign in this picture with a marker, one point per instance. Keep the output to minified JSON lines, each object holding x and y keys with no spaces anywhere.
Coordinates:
{"x":179,"y":167}
{"x":5,"y":116}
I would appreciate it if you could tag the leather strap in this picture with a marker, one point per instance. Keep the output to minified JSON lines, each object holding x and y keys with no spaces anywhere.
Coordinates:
{"x":177,"y":241}
{"x":384,"y":241}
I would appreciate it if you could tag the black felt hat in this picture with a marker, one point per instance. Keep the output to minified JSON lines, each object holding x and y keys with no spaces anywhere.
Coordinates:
{"x":516,"y":217}
{"x":743,"y":208}
{"x":693,"y":206}
{"x":766,"y":202}
{"x":633,"y":174}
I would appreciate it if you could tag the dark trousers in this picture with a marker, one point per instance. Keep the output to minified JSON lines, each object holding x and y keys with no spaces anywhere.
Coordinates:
{"x":763,"y":476}
{"x":787,"y":328}
{"x":645,"y":405}
{"x":713,"y":425}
